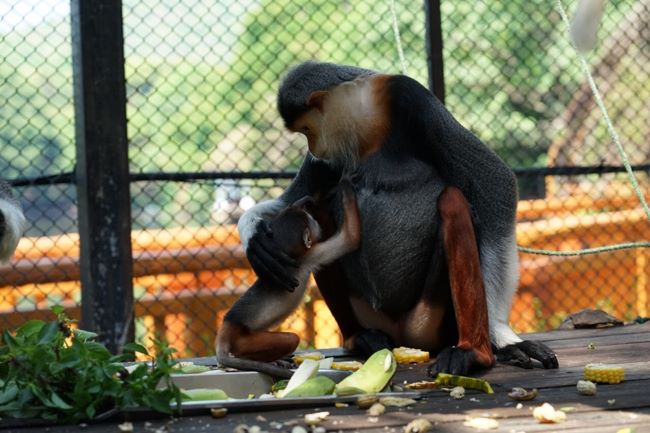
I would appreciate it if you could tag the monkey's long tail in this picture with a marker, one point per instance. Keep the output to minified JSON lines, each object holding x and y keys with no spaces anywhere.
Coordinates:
{"x":227,"y":360}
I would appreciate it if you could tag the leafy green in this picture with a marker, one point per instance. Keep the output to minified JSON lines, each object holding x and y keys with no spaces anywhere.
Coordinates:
{"x":49,"y":370}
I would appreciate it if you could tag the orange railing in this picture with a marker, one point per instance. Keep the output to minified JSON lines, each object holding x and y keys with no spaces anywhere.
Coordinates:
{"x":187,"y":277}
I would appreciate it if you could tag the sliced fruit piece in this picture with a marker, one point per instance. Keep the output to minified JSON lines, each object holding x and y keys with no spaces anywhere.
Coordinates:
{"x":298,"y":358}
{"x":314,"y":387}
{"x":346,"y":365}
{"x":407,"y":355}
{"x":326,"y":363}
{"x":198,"y":394}
{"x":444,"y":379}
{"x":307,"y":369}
{"x":372,"y":377}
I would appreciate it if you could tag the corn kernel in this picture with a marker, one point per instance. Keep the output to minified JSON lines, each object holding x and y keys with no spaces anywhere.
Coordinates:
{"x":299,"y":357}
{"x":346,"y":365}
{"x":405,"y":355}
{"x":604,"y":373}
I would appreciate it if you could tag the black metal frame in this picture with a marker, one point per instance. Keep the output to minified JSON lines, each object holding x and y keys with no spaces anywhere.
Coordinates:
{"x":102,"y":171}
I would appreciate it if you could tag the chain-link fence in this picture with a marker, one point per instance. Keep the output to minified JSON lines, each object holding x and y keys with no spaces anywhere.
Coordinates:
{"x":206,"y":143}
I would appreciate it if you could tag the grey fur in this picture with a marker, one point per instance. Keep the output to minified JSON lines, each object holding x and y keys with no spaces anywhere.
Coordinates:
{"x":301,"y":80}
{"x":12,"y":221}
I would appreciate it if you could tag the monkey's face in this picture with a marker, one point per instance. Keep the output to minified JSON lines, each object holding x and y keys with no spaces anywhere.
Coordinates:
{"x":336,"y":120}
{"x":310,"y":124}
{"x":295,"y":231}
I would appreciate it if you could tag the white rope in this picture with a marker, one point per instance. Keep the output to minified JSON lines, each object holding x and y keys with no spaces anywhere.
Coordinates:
{"x":398,"y":39}
{"x":603,"y":109}
{"x":610,"y":128}
{"x":615,"y":137}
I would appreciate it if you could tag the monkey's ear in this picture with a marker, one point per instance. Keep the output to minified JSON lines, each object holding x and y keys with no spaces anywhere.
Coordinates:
{"x":306,"y":238}
{"x":316,"y":99}
{"x":306,"y":202}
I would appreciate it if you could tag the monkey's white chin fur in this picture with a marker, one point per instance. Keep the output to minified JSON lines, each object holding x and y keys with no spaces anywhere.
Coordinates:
{"x":14,"y":221}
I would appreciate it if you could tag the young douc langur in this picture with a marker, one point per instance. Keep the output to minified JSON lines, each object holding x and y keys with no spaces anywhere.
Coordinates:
{"x":245,"y":341}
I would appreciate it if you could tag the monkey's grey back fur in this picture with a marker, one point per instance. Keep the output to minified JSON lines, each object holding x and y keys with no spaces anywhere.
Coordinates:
{"x":300,"y":81}
{"x":12,"y":221}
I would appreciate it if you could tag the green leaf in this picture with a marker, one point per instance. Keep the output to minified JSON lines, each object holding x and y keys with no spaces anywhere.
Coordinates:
{"x":48,"y":333}
{"x":160,"y":402}
{"x":58,"y":402}
{"x":90,"y":411}
{"x":57,"y":309}
{"x":9,"y":393}
{"x":10,"y":340}
{"x":30,"y":328}
{"x":124,"y":357}
{"x":136,"y":347}
{"x":84,"y":335}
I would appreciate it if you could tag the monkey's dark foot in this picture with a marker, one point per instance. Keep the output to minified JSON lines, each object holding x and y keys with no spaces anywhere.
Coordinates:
{"x":454,"y":360}
{"x":526,"y":353}
{"x":369,"y":341}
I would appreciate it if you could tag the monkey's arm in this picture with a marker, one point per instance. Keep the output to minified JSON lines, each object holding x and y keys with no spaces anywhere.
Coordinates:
{"x":346,"y":239}
{"x":12,"y":222}
{"x":266,"y":259}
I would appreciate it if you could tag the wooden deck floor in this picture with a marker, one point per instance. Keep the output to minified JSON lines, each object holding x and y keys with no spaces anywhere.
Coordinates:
{"x":615,"y":407}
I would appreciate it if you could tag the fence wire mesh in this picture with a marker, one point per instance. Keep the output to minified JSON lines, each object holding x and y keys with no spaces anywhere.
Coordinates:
{"x":201,"y":83}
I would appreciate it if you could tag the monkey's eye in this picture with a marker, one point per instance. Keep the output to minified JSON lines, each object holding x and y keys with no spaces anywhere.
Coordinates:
{"x":305,"y":128}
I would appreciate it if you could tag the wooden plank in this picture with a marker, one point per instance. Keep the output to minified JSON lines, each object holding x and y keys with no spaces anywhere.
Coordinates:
{"x":602,"y":340}
{"x":570,"y":334}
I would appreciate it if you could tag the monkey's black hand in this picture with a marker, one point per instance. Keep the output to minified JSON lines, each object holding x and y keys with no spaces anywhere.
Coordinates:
{"x":268,"y":261}
{"x":454,"y":360}
{"x":524,"y":353}
{"x":369,"y":341}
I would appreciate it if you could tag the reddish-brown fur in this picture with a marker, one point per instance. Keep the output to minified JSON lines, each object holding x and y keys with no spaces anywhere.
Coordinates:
{"x":467,"y":289}
{"x":263,"y":346}
{"x":381,"y":121}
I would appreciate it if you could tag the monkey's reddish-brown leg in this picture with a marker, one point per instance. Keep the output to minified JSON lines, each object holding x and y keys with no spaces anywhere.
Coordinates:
{"x":261,"y":346}
{"x":466,"y":280}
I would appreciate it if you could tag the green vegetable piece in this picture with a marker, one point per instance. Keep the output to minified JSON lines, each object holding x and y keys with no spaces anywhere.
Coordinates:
{"x":444,"y":379}
{"x":314,"y":387}
{"x":279,"y":385}
{"x":200,"y":394}
{"x":304,"y":372}
{"x":372,"y":377}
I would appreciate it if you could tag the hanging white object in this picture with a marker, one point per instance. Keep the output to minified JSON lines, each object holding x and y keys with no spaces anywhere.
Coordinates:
{"x":585,"y":24}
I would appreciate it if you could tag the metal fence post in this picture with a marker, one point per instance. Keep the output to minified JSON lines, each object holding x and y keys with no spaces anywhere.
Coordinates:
{"x":102,"y":171}
{"x":434,"y":48}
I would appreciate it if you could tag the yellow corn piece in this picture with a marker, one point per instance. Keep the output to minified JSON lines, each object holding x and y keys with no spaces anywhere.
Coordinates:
{"x":299,"y":357}
{"x":604,"y":373}
{"x":346,"y":365}
{"x":406,"y":355}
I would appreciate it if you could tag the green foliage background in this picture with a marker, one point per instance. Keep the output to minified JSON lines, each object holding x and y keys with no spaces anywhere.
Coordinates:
{"x":202,"y":78}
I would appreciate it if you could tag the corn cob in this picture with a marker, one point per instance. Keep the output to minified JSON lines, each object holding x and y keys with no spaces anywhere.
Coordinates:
{"x":346,"y":365}
{"x":299,"y":357}
{"x":406,"y":355}
{"x":604,"y":373}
